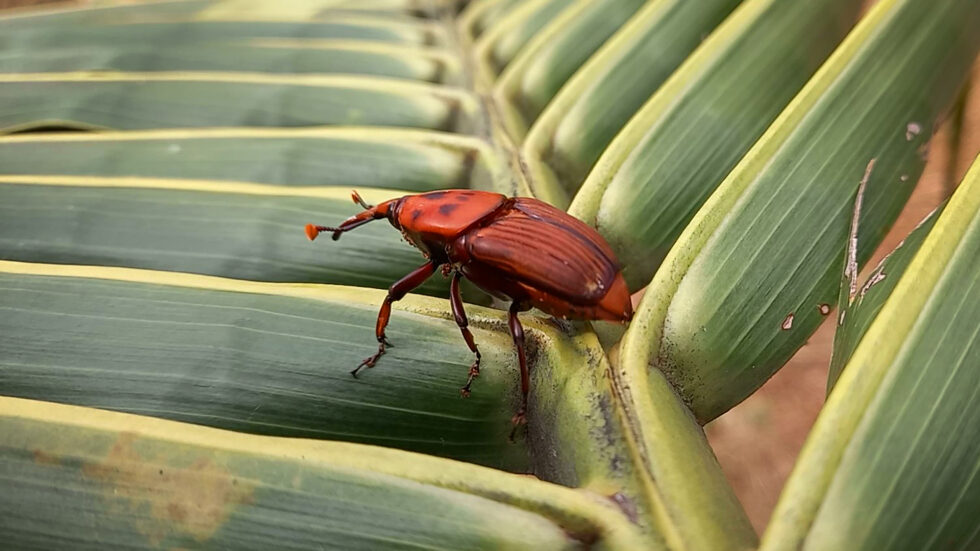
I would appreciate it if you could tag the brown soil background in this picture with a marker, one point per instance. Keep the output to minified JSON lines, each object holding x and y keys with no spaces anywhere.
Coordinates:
{"x":757,"y":441}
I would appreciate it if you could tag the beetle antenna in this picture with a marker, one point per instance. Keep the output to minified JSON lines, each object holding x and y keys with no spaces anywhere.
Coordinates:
{"x":367,"y":215}
{"x":353,"y":222}
{"x":313,"y":231}
{"x":357,"y":199}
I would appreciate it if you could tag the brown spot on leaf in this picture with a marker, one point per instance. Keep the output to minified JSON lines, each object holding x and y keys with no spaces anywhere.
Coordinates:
{"x":912,"y":130}
{"x":44,"y":458}
{"x":195,"y":500}
{"x":177,"y":512}
{"x":824,"y":309}
{"x":788,"y":322}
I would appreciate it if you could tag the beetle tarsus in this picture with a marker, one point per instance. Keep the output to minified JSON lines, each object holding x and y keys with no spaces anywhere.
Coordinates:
{"x":517,"y":332}
{"x":474,"y":373}
{"x":456,"y":302}
{"x":371,"y":360}
{"x":368,"y":363}
{"x":395,"y":292}
{"x":519,"y":419}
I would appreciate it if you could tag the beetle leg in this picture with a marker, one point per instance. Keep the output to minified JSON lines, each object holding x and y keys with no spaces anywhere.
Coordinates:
{"x":456,"y":301}
{"x":517,"y":331}
{"x":396,"y":292}
{"x":356,"y":197}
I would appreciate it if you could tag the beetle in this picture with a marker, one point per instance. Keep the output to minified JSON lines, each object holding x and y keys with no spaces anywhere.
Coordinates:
{"x":514,"y":248}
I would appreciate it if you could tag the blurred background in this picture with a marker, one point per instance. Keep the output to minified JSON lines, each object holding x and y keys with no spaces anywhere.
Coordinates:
{"x":757,"y":442}
{"x":16,"y":3}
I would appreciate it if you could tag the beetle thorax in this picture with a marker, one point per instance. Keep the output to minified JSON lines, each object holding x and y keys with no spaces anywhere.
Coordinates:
{"x":433,"y":221}
{"x":419,"y":242}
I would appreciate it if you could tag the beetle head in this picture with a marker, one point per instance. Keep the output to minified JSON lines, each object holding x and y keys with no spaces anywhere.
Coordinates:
{"x":387,"y":209}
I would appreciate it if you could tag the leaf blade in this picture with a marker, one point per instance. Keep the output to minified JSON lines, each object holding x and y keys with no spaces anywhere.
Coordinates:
{"x":134,"y":101}
{"x":591,"y":108}
{"x":765,"y":249}
{"x":400,"y":159}
{"x":281,"y":485}
{"x":911,"y":374}
{"x":553,"y":55}
{"x":294,"y":57}
{"x":503,"y":41}
{"x":257,"y":357}
{"x":25,"y":37}
{"x":219,"y":232}
{"x":664,"y":164}
{"x":857,"y":317}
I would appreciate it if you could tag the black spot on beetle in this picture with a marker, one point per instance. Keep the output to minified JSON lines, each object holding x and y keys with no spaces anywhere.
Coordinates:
{"x":415,"y":214}
{"x":448,"y":208}
{"x":433,"y":195}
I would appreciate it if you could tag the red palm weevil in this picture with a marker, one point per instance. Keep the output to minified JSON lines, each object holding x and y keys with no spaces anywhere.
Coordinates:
{"x":514,"y":248}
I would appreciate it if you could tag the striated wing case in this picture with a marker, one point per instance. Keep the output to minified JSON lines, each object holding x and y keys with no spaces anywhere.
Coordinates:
{"x":542,"y":246}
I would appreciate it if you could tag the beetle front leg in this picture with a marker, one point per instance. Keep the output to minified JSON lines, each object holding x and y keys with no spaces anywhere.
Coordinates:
{"x":456,"y":301}
{"x":517,"y":332}
{"x":396,"y":292}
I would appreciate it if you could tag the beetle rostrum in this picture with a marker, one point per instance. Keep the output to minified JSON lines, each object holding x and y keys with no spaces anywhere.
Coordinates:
{"x":514,"y":248}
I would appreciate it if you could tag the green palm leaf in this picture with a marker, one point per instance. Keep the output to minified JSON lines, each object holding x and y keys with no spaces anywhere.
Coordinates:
{"x":401,"y":159}
{"x":855,"y":318}
{"x":120,"y":480}
{"x":893,"y":445}
{"x":140,"y":101}
{"x":745,"y":283}
{"x":175,"y":354}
